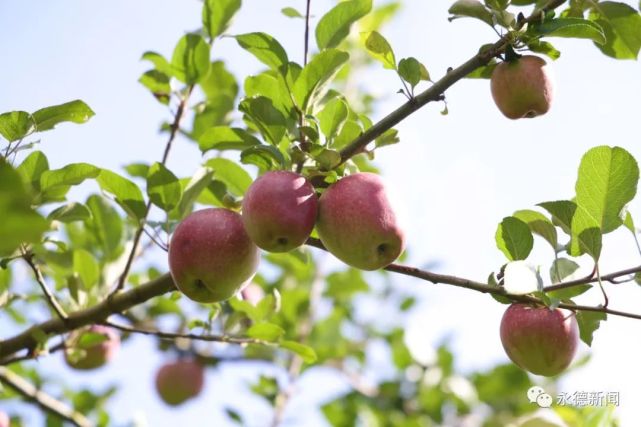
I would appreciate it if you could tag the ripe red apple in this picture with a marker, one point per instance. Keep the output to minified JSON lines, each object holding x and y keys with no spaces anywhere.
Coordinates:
{"x":538,"y":339}
{"x":4,"y":419}
{"x":357,"y":224}
{"x":211,"y":256}
{"x":179,"y":381}
{"x":522,"y":87}
{"x":86,"y":350}
{"x":279,"y":211}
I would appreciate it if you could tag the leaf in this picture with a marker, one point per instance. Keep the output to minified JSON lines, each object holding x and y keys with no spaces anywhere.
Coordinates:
{"x":106,"y":226}
{"x":389,"y":137}
{"x":226,"y":138}
{"x":70,"y":213}
{"x":571,"y":28}
{"x":72,"y":174}
{"x":471,"y":9}
{"x":32,"y":168}
{"x":588,"y":323}
{"x":271,"y":85}
{"x":190,"y":60}
{"x":290,"y":12}
{"x":217,"y":14}
{"x":334,"y":26}
{"x":267,"y":118}
{"x":194,"y":188}
{"x":126,"y":193}
{"x":158,"y":83}
{"x":343,"y":285}
{"x":539,"y":224}
{"x":74,"y":111}
{"x":607,"y":181}
{"x":540,"y":46}
{"x":319,"y":71}
{"x":562,"y":212}
{"x":219,"y":83}
{"x":561,"y":269}
{"x":265,"y":48}
{"x":514,"y":238}
{"x":412,"y":71}
{"x":332,"y":117}
{"x":379,"y":48}
{"x":235,"y":177}
{"x":305,"y":352}
{"x":263,"y":156}
{"x":87,"y":268}
{"x":266,"y":331}
{"x":159,"y":62}
{"x":138,"y":170}
{"x":163,"y":187}
{"x":16,"y":125}
{"x":622,"y":26}
{"x":629,"y":223}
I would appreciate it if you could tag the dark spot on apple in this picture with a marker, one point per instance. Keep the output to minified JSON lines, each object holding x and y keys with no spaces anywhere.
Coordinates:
{"x":382,"y":248}
{"x":282,"y":241}
{"x":199,"y":284}
{"x":531,"y":114}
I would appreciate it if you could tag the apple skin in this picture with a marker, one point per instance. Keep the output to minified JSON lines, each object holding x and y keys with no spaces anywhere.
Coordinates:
{"x":522,"y":88}
{"x":179,"y":381}
{"x":96,"y":355}
{"x":5,"y":421}
{"x":539,"y":340}
{"x":279,"y":211}
{"x":211,"y":256}
{"x":357,"y":224}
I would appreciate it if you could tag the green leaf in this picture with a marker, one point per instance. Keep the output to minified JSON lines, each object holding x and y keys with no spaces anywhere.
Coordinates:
{"x":138,"y":170}
{"x":219,"y":83}
{"x":588,"y":323}
{"x":269,"y":120}
{"x":562,"y":268}
{"x":32,"y":168}
{"x":334,"y":26}
{"x":570,"y":27}
{"x":226,"y":138}
{"x":16,"y":125}
{"x":471,"y":9}
{"x":74,"y":111}
{"x":562,"y":212}
{"x":305,"y":352}
{"x":629,"y":223}
{"x":20,"y":223}
{"x":193,"y":189}
{"x":412,"y":71}
{"x":235,"y":177}
{"x":265,"y":48}
{"x":514,"y":238}
{"x":126,"y":193}
{"x":87,"y":268}
{"x":343,"y":285}
{"x":266,"y":331}
{"x":190,"y":60}
{"x":263,"y":156}
{"x":539,"y":224}
{"x":163,"y":187}
{"x":607,"y":181}
{"x":159,"y":61}
{"x":106,"y":226}
{"x":158,"y":83}
{"x":316,"y":74}
{"x":379,"y":48}
{"x":217,"y":14}
{"x":622,"y":26}
{"x":290,"y":12}
{"x":327,"y":159}
{"x":540,"y":46}
{"x":271,"y":85}
{"x":389,"y":137}
{"x":332,"y":117}
{"x":70,"y":213}
{"x":72,"y":174}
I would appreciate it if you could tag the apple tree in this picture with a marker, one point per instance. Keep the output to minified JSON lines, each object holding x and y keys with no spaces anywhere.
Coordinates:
{"x":287,"y":180}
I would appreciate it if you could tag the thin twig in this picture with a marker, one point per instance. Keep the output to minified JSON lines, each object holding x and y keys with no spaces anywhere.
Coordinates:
{"x":32,"y":355}
{"x":307,"y":11}
{"x":42,"y":399}
{"x":49,"y":296}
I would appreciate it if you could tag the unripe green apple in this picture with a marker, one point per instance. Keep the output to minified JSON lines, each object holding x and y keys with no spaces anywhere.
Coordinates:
{"x":211,"y":256}
{"x":179,"y":381}
{"x":539,"y":340}
{"x":522,"y":87}
{"x":4,"y":419}
{"x":279,"y":211}
{"x":86,"y":350}
{"x":357,"y":224}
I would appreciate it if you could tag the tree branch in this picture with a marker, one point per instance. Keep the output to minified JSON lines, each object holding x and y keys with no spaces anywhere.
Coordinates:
{"x":436,"y":91}
{"x":49,"y":296}
{"x":42,"y":399}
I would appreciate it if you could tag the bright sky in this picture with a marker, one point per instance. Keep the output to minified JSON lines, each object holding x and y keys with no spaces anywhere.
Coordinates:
{"x":458,"y":175}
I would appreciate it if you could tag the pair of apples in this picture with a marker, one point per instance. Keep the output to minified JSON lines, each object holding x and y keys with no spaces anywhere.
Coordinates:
{"x":214,"y":252}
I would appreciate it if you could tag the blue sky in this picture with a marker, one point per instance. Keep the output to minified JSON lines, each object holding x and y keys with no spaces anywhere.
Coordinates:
{"x":456,"y":176}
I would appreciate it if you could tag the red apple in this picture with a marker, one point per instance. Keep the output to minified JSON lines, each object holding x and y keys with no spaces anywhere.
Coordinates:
{"x":179,"y":381}
{"x":86,"y":350}
{"x":279,"y":211}
{"x":211,"y":256}
{"x":522,"y":87}
{"x":4,"y":419}
{"x":539,"y":340}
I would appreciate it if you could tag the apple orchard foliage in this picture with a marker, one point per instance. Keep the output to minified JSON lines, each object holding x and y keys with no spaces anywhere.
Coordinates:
{"x":85,"y":255}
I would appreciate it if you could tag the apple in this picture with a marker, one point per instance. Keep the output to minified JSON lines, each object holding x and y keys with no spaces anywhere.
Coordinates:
{"x":179,"y":381}
{"x":4,"y":419}
{"x":86,"y":350}
{"x":522,"y":87}
{"x":357,"y":224}
{"x":211,"y":256}
{"x":539,"y":340}
{"x":279,"y":211}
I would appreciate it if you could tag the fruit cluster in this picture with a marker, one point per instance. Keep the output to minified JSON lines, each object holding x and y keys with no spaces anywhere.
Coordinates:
{"x":214,"y":252}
